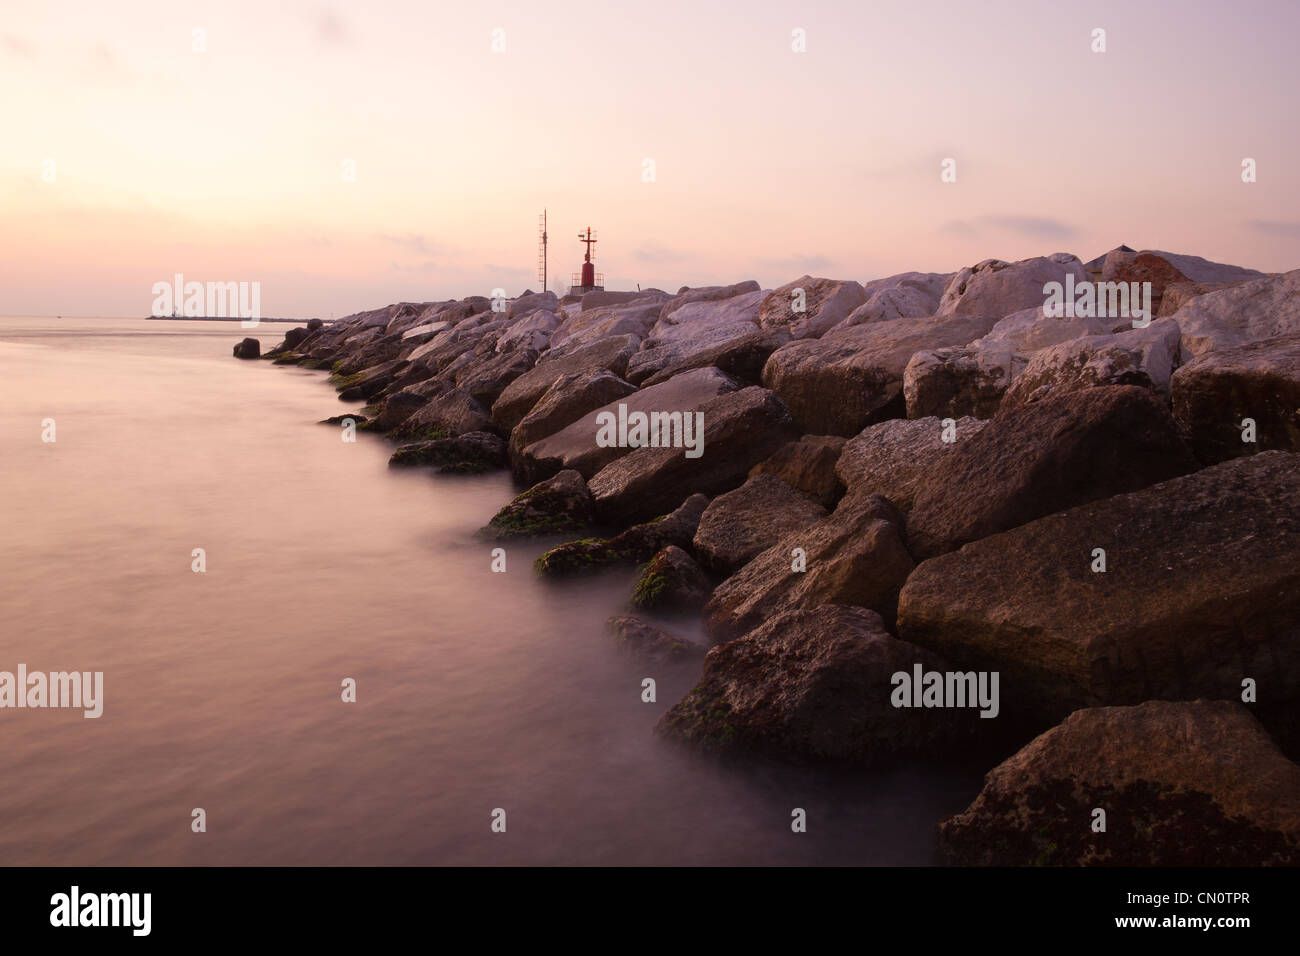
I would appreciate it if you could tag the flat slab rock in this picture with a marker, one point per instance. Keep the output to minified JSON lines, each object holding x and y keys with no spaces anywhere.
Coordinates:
{"x":808,"y":465}
{"x":740,"y":524}
{"x":814,"y":685}
{"x":467,"y":454}
{"x":896,"y":458}
{"x":1046,"y":457}
{"x":1201,"y":591}
{"x":558,"y":505}
{"x":854,"y":556}
{"x":1214,"y":394}
{"x":636,"y":638}
{"x":1182,"y":784}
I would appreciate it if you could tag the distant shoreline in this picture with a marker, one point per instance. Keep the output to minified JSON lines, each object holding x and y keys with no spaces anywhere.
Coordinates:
{"x":201,"y":318}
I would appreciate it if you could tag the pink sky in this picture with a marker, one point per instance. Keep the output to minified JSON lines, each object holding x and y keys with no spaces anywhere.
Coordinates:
{"x":225,"y":165}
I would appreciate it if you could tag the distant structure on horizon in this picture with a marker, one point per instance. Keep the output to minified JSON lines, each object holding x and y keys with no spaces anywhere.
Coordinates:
{"x":589,"y":280}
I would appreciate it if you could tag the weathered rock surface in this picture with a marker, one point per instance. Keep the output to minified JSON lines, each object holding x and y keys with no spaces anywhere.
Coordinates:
{"x":635,"y":637}
{"x":822,"y":304}
{"x":814,"y":684}
{"x":449,"y":411}
{"x":909,"y":295}
{"x":742,"y":357}
{"x":636,"y":544}
{"x":558,"y":505}
{"x":966,"y":380}
{"x":854,"y":556}
{"x":808,"y":465}
{"x":1214,"y":393}
{"x":521,"y":395}
{"x":1045,"y":457}
{"x":469,"y":454}
{"x":691,"y":329}
{"x":996,"y":288}
{"x":575,"y":446}
{"x":1142,"y":357}
{"x":1029,"y":330}
{"x":740,"y":524}
{"x":1173,"y":778}
{"x":1201,"y":590}
{"x":593,"y":324}
{"x":852,"y":377}
{"x":671,"y":580}
{"x":1250,"y":312}
{"x":741,"y":428}
{"x":249,"y":348}
{"x":566,"y":401}
{"x":896,"y":458}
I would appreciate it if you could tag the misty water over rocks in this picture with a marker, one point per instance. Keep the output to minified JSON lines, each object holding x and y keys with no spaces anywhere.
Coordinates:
{"x":222,"y":690}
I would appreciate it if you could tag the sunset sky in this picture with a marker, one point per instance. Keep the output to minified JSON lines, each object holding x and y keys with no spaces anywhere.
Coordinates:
{"x":226,"y":165}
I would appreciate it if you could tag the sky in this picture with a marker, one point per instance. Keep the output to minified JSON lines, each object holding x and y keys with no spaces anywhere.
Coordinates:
{"x":694,"y":137}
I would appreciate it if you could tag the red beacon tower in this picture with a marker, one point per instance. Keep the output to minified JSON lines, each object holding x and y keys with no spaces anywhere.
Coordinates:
{"x":589,"y":280}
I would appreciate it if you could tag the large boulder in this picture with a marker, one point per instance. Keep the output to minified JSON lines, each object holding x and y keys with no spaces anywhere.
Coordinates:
{"x":1201,"y":590}
{"x":896,"y":458}
{"x":558,"y":505}
{"x":566,"y":401}
{"x":808,"y":465}
{"x":636,"y":638}
{"x":707,"y":325}
{"x":638,"y":543}
{"x":576,"y":445}
{"x":742,"y":357}
{"x":821,"y":304}
{"x":965,"y":380}
{"x":531,"y":302}
{"x":852,"y":377}
{"x":448,"y":411}
{"x":1045,"y":457}
{"x":1144,"y":357}
{"x":1259,"y":309}
{"x":1165,"y":269}
{"x":591,"y":325}
{"x":709,"y":293}
{"x":909,"y":295}
{"x":522,"y":394}
{"x":1030,"y":330}
{"x":671,"y":581}
{"x":814,"y":684}
{"x":486,"y":376}
{"x":1214,"y":393}
{"x":996,"y":288}
{"x":249,"y":348}
{"x":1181,"y":784}
{"x":854,"y":556}
{"x":739,"y":525}
{"x":464,"y":454}
{"x":532,"y":331}
{"x":740,"y":429}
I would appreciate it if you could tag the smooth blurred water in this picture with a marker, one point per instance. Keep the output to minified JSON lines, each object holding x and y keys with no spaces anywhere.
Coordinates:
{"x":222,"y":690}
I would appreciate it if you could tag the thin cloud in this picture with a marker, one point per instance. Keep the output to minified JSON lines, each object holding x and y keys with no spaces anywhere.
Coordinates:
{"x":1035,"y":227}
{"x":18,"y":46}
{"x":1273,"y":227}
{"x":415,"y":242}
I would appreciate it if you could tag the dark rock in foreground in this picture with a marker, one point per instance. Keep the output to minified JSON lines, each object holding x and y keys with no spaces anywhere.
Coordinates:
{"x":249,"y":348}
{"x":1215,"y":393}
{"x":636,"y":544}
{"x":855,"y":556}
{"x":467,"y":454}
{"x":1181,"y":784}
{"x":814,"y":684}
{"x":740,"y":429}
{"x":808,"y":465}
{"x":741,"y":524}
{"x":897,"y":457}
{"x":1201,"y":591}
{"x":634,"y":636}
{"x":558,"y":505}
{"x":1042,"y":458}
{"x":671,"y":581}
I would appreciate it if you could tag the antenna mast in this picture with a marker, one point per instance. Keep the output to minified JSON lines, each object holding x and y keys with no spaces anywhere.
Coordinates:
{"x":541,"y":251}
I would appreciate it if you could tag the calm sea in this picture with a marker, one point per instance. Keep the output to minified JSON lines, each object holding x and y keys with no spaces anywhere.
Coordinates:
{"x":475,"y":690}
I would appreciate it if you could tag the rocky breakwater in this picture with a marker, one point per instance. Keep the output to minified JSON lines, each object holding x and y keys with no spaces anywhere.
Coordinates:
{"x":920,"y":518}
